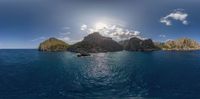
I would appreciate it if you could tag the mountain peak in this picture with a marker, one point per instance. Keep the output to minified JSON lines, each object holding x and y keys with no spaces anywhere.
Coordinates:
{"x":96,"y":43}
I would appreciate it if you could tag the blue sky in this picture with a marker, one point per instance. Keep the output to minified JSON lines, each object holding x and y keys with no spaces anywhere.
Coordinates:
{"x":25,"y":23}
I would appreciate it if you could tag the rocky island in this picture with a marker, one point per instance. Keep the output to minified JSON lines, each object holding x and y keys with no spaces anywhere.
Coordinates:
{"x":94,"y":43}
{"x":182,"y":44}
{"x":53,"y":45}
{"x":136,"y":44}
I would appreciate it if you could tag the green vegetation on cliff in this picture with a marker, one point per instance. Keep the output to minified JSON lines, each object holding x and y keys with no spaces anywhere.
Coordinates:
{"x":52,"y":45}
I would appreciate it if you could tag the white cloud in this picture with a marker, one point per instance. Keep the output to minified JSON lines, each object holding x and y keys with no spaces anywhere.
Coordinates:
{"x":38,"y":39}
{"x":65,"y":38}
{"x":116,"y":32}
{"x":64,"y":33}
{"x":83,"y":27}
{"x":163,"y":36}
{"x":185,"y":22}
{"x":178,"y":15}
{"x":166,"y":21}
{"x":68,"y":39}
{"x":66,"y":28}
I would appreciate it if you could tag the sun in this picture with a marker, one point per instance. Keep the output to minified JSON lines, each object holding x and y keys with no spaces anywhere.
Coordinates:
{"x":100,"y":26}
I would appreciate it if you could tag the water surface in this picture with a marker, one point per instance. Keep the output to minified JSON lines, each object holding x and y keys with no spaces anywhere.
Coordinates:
{"x":29,"y":74}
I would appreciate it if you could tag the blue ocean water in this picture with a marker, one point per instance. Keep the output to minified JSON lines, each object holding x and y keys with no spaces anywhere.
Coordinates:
{"x":30,"y":74}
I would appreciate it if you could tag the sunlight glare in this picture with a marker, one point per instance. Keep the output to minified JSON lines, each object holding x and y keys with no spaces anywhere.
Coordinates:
{"x":100,"y":26}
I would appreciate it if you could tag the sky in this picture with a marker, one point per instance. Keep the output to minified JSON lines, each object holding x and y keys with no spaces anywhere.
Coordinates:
{"x":26,"y":23}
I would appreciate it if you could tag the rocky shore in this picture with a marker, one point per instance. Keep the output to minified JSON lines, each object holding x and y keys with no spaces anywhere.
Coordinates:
{"x":95,"y":43}
{"x":182,"y":44}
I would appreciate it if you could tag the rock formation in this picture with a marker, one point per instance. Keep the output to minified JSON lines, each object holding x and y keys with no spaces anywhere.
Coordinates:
{"x":136,"y":44}
{"x":83,"y":54}
{"x":181,"y":44}
{"x":94,"y":43}
{"x":53,"y":45}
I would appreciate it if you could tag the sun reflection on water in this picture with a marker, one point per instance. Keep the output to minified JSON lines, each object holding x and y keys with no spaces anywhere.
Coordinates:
{"x":98,"y":70}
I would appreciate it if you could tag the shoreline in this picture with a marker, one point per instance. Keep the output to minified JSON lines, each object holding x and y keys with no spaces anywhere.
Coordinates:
{"x":109,"y":51}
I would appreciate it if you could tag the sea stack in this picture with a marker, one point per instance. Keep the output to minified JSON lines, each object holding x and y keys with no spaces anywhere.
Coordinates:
{"x":53,"y":45}
{"x":94,"y":43}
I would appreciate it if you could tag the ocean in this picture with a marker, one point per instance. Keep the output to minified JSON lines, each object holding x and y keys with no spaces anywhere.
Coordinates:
{"x":30,"y":74}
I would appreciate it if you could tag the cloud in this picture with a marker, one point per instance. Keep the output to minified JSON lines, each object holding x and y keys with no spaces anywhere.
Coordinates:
{"x":66,"y":28}
{"x":68,"y":40}
{"x":116,"y":32}
{"x":163,"y":36}
{"x":125,"y":34}
{"x":178,"y":15}
{"x":64,"y":33}
{"x":65,"y":38}
{"x":83,"y":27}
{"x":38,"y":39}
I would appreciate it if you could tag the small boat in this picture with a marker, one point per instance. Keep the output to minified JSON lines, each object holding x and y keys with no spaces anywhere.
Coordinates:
{"x":83,"y":54}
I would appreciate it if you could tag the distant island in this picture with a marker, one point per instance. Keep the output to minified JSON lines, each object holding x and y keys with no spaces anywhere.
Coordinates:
{"x":94,"y":43}
{"x":182,"y":44}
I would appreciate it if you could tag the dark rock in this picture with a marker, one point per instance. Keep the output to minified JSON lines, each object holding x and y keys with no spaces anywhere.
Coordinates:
{"x":136,"y":44}
{"x":94,"y":43}
{"x":53,"y":45}
{"x":83,"y":54}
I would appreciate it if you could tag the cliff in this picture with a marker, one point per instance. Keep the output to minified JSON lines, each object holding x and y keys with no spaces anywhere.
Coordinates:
{"x":136,"y":44}
{"x":181,"y":44}
{"x":94,"y":43}
{"x":53,"y":45}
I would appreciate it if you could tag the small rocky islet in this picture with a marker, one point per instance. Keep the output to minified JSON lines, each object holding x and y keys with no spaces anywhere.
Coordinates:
{"x":95,"y":43}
